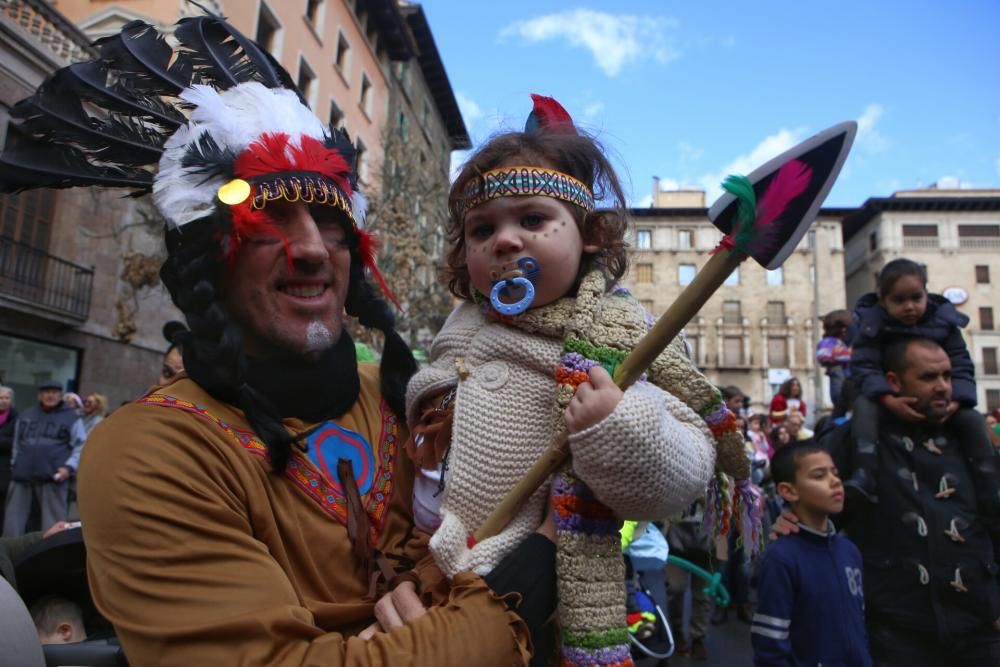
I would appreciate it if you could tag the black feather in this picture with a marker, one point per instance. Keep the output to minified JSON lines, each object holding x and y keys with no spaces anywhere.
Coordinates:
{"x":23,"y":167}
{"x":90,"y":81}
{"x":204,"y":156}
{"x":340,"y":141}
{"x":223,"y":57}
{"x":52,"y":115}
{"x":140,"y":56}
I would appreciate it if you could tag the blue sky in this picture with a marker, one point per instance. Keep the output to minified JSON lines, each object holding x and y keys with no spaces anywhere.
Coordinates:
{"x":692,"y":91}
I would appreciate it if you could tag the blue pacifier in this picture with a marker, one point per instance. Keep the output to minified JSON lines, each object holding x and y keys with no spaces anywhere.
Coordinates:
{"x":517,"y":285}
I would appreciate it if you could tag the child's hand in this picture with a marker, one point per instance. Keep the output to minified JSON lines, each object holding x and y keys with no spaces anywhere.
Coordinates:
{"x":593,"y":401}
{"x":952,"y":409}
{"x":900,"y":406}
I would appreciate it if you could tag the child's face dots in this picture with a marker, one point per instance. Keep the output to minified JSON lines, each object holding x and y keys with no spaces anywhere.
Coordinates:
{"x":503,"y":230}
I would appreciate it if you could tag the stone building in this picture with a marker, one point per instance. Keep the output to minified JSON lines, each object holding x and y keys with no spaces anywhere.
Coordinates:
{"x":80,"y":299}
{"x":956,"y":235}
{"x":761,"y":327}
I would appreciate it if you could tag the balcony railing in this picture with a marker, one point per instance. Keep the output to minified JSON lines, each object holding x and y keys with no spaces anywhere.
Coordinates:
{"x":979,"y":242}
{"x":32,"y":275}
{"x":918,"y":242}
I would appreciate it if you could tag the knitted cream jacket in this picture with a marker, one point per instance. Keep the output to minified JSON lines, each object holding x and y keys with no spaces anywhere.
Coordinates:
{"x":646,"y":460}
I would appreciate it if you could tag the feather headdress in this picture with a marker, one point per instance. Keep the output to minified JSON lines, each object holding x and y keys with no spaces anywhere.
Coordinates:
{"x":210,"y":124}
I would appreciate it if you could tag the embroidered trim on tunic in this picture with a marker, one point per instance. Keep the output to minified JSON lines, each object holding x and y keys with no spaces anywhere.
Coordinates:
{"x":327,"y":493}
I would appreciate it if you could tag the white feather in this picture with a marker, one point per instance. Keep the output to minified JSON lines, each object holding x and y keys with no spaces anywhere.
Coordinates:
{"x":360,"y":205}
{"x":234,"y":118}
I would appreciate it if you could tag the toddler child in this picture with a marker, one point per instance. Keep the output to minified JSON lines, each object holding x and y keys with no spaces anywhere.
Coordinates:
{"x":810,"y":603}
{"x":529,"y":354}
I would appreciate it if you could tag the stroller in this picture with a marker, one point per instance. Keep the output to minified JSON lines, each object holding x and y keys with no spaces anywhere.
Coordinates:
{"x":645,"y":557}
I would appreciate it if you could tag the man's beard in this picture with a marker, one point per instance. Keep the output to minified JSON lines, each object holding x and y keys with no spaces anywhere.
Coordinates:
{"x":933,"y":413}
{"x":318,"y":338}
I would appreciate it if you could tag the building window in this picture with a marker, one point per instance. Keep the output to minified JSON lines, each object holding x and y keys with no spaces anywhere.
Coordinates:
{"x":267,"y":29}
{"x":920,"y":236}
{"x":873,"y":241}
{"x":336,"y":115}
{"x":775,"y":312}
{"x":979,"y":237}
{"x":986,"y":318}
{"x":27,"y":217}
{"x":732,"y":351}
{"x":982,"y":274}
{"x":313,"y":11}
{"x":27,"y":363}
{"x":644,"y":273}
{"x":685,"y":238}
{"x":733,"y":279}
{"x":366,"y":95}
{"x":306,"y":79}
{"x":343,"y":54}
{"x":647,"y":305}
{"x":992,"y":399}
{"x":361,"y":160}
{"x":777,"y":352}
{"x":686,"y":273}
{"x":776,"y":277}
{"x":990,"y":361}
{"x":694,"y":346}
{"x":731,"y":312}
{"x":404,"y":127}
{"x":644,"y":239}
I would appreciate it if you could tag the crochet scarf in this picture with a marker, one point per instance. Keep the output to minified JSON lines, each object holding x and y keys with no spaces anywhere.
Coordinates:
{"x":600,"y":329}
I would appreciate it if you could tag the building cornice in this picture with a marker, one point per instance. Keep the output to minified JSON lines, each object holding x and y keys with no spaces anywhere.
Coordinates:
{"x":876,"y":205}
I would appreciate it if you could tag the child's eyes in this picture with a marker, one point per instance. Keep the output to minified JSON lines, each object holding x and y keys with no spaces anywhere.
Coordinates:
{"x":481,"y":231}
{"x":532,"y":220}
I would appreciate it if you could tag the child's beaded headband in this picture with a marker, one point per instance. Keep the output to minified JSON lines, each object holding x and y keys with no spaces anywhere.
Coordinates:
{"x":527,"y":181}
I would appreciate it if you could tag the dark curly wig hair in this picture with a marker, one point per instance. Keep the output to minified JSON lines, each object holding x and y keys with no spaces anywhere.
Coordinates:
{"x":578,"y":155}
{"x":213,"y":350}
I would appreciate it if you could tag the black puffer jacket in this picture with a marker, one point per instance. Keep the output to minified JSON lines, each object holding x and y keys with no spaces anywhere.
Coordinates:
{"x":929,"y":562}
{"x":876,"y":329}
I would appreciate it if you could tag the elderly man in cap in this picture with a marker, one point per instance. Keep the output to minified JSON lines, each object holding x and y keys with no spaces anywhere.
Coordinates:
{"x":47,"y":443}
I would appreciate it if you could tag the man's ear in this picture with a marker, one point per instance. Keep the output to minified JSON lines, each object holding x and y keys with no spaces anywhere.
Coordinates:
{"x":788,"y":492}
{"x":65,"y":632}
{"x":893,"y":380}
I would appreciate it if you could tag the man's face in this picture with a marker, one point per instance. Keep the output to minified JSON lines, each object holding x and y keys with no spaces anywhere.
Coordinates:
{"x":4,"y":399}
{"x":49,"y":398}
{"x":173,"y":365}
{"x":927,"y":378}
{"x":794,"y":425}
{"x":297,"y":309}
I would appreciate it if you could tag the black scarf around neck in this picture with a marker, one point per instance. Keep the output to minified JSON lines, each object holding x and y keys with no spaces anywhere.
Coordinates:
{"x":309,"y":389}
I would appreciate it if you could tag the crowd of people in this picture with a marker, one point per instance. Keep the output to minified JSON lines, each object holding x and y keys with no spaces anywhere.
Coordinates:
{"x":272,"y":501}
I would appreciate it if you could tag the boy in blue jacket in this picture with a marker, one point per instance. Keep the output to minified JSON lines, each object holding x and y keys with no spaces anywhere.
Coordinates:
{"x":810,"y":608}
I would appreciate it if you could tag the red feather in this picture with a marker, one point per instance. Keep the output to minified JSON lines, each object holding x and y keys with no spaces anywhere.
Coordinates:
{"x":313,"y":155}
{"x":367,"y":247}
{"x":551,"y":116}
{"x":790,"y":181}
{"x":267,"y":155}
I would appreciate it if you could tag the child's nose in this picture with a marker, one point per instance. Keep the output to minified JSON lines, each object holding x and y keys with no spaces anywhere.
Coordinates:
{"x":508,"y":239}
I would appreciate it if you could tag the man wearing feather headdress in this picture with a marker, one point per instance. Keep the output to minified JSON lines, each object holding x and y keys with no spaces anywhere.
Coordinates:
{"x":252,"y":510}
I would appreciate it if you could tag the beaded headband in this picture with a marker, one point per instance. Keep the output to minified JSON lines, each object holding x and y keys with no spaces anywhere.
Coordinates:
{"x":526,"y":181}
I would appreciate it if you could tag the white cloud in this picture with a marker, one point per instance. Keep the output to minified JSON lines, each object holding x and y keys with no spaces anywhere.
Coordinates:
{"x":869,"y":139}
{"x":471,"y":111}
{"x":592,"y":110}
{"x":457,"y":162}
{"x":771,"y":146}
{"x":613,"y":40}
{"x":954,"y":183}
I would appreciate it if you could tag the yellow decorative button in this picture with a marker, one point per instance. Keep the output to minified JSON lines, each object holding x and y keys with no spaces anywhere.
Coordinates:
{"x":234,"y":192}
